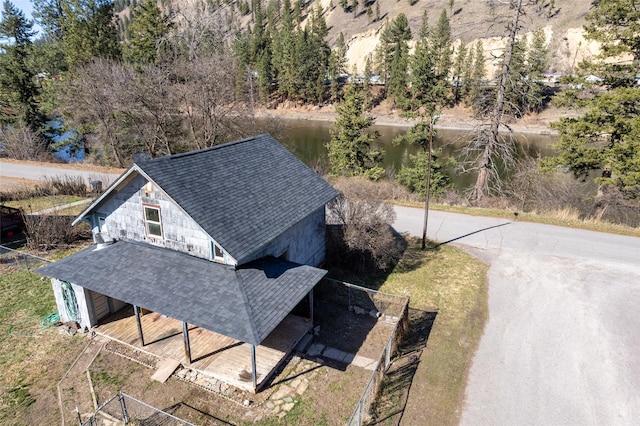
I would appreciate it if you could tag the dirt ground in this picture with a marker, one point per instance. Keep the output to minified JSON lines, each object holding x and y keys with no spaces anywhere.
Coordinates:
{"x":305,"y":391}
{"x":457,"y":118}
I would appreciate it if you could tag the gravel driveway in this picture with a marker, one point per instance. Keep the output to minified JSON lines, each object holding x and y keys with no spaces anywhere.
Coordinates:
{"x":562,"y":344}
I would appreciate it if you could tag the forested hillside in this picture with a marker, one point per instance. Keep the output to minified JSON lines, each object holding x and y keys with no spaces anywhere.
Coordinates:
{"x":154,"y":78}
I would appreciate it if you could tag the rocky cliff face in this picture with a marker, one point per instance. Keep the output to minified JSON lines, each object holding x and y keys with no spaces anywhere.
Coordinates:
{"x":471,"y":20}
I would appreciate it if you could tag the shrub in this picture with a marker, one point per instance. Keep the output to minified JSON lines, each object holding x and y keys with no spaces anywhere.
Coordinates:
{"x":359,"y":233}
{"x":46,"y":232}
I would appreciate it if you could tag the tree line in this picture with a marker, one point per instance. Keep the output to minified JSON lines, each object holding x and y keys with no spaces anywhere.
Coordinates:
{"x":177,"y":80}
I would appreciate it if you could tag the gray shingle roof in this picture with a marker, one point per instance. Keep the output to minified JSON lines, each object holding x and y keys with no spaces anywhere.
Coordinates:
{"x":244,"y":193}
{"x":245,"y":304}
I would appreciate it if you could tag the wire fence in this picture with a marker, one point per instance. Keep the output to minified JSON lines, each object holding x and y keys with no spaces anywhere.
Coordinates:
{"x":16,"y":259}
{"x":127,"y":410}
{"x":389,"y":307}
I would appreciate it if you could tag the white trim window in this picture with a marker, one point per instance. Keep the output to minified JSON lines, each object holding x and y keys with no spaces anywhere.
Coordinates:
{"x":152,"y":222}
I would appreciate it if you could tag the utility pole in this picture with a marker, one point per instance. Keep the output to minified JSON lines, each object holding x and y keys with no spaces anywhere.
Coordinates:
{"x":426,"y":201}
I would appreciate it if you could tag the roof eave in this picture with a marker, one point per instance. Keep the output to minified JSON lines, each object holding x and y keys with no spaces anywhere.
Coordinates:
{"x":106,"y":193}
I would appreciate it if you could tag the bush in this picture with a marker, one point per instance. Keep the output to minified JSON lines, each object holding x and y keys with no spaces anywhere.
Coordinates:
{"x":50,"y":232}
{"x":359,"y":234}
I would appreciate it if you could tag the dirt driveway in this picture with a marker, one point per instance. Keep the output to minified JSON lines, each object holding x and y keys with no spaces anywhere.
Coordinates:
{"x":561,"y":344}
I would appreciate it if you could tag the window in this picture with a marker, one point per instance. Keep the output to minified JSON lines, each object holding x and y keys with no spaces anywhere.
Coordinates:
{"x":218,"y":254}
{"x":152,"y":221}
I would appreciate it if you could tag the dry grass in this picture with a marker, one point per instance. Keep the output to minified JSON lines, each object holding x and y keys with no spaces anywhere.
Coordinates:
{"x":452,"y":284}
{"x":566,"y":217}
{"x":37,"y":204}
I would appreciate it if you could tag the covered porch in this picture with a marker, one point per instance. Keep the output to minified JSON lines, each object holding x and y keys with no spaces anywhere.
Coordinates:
{"x":221,"y":357}
{"x":249,"y":307}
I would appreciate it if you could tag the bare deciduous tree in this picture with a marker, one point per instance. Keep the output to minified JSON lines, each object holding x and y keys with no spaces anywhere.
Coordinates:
{"x":158,"y":110}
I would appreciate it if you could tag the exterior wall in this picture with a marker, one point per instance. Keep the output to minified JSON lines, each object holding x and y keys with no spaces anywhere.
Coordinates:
{"x":303,"y":243}
{"x":82,"y":298}
{"x":125,"y":220}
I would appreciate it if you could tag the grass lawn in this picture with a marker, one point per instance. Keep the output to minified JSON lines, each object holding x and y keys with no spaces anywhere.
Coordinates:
{"x":33,"y":205}
{"x":444,"y":281}
{"x":449,"y":285}
{"x":32,"y":359}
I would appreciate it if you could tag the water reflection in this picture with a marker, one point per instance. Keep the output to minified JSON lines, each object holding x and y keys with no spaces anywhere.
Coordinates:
{"x":307,"y":140}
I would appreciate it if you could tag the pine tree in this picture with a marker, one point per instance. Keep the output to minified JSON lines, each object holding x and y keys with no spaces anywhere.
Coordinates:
{"x":458,"y":79}
{"x":441,"y":44}
{"x":337,"y":64}
{"x":478,"y":73}
{"x":366,"y":86}
{"x":147,"y":31}
{"x":88,"y":31}
{"x":349,"y":150}
{"x":284,"y":53}
{"x":18,"y":90}
{"x":606,"y":138}
{"x":392,"y":56}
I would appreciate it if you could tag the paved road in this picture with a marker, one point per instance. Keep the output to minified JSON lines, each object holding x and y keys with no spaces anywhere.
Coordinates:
{"x":562,"y":344}
{"x":28,"y":171}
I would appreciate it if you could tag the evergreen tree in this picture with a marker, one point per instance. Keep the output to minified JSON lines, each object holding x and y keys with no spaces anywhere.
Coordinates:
{"x":441,"y":42}
{"x":261,"y":52}
{"x":467,"y":70}
{"x":50,"y":53}
{"x":424,"y":79}
{"x":392,"y":56}
{"x":366,"y":86}
{"x":414,"y":175}
{"x":147,"y":30}
{"x":607,"y":136}
{"x":478,"y":73}
{"x":458,"y":79}
{"x":88,"y":31}
{"x":18,"y":89}
{"x":537,"y":62}
{"x":283,"y":58}
{"x":349,"y":150}
{"x":337,"y":64}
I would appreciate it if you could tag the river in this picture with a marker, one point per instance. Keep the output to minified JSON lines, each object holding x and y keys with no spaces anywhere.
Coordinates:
{"x":307,"y":139}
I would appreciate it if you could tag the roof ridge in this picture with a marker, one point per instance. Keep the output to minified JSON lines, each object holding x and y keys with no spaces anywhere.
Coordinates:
{"x":251,"y":313}
{"x":200,"y":151}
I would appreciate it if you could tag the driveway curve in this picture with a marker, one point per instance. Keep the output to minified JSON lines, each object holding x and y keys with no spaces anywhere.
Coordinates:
{"x":562,"y":343}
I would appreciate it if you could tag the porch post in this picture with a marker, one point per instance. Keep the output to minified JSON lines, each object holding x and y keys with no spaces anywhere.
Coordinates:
{"x":187,"y":344}
{"x":254,"y":374}
{"x":311,"y":306}
{"x":136,"y":311}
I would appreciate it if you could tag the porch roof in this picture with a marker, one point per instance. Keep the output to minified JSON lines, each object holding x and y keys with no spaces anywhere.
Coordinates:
{"x":245,"y":304}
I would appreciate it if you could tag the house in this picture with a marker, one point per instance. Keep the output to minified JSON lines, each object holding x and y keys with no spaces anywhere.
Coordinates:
{"x":226,"y":239}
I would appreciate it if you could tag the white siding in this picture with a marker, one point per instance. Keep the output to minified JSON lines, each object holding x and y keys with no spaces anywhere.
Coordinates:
{"x":303,"y":243}
{"x":125,"y":220}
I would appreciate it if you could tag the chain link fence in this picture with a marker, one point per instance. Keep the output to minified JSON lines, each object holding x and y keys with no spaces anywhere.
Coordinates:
{"x":387,"y":307}
{"x":14,"y":259}
{"x":127,"y":410}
